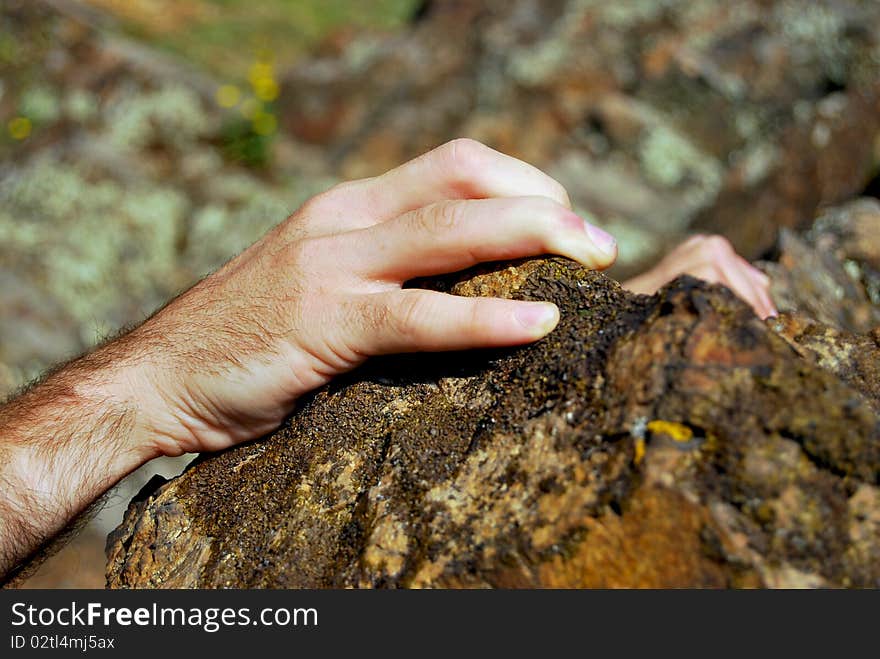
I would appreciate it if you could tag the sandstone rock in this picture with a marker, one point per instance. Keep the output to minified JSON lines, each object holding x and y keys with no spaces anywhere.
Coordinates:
{"x":664,"y":441}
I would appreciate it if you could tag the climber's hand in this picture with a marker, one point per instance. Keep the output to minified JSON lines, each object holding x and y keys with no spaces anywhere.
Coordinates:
{"x":320,"y":293}
{"x":713,"y":259}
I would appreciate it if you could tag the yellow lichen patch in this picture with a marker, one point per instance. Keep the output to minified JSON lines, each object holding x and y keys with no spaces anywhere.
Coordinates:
{"x":639,"y":453}
{"x":676,"y":431}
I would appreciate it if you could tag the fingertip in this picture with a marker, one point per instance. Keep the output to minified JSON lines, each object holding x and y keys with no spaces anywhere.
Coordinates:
{"x":605,"y":245}
{"x":766,"y":310}
{"x":609,"y":260}
{"x":769,"y":306}
{"x":538,"y":319}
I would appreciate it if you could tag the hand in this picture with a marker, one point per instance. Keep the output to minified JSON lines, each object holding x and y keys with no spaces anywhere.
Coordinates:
{"x":713,"y":259}
{"x":226,"y":361}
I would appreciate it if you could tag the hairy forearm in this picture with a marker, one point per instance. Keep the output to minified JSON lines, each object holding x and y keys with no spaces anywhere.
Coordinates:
{"x":63,"y":443}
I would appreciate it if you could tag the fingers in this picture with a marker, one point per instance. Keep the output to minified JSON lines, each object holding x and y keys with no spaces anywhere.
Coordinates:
{"x":461,"y":169}
{"x":717,"y":255}
{"x":757,"y":275}
{"x":713,"y":259}
{"x":763,"y":304}
{"x":416,"y":320}
{"x":737,"y":278}
{"x":454,"y":235}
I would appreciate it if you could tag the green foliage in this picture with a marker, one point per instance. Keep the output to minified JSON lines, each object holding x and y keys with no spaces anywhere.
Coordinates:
{"x":241,"y":143}
{"x":225,"y":40}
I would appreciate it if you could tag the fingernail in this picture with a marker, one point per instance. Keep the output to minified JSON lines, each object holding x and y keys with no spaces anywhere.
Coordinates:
{"x":539,"y":317}
{"x":602,"y":239}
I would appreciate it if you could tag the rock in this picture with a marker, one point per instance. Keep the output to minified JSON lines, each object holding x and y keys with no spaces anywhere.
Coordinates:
{"x":665,"y":441}
{"x":832,"y":273}
{"x":854,"y":358}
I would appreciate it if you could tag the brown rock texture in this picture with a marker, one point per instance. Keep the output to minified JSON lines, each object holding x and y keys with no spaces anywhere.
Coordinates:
{"x":672,"y":440}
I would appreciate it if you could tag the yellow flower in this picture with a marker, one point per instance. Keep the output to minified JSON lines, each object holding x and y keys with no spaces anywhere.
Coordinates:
{"x":262,"y":79}
{"x":19,"y":128}
{"x":261,"y":70}
{"x":266,"y":89}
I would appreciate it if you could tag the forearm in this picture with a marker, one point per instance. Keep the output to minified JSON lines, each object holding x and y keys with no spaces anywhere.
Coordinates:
{"x":63,"y":443}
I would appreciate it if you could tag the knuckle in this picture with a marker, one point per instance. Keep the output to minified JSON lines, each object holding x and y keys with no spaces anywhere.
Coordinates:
{"x":295,"y":254}
{"x":477,"y":316}
{"x":695,"y":240}
{"x":464,"y":153}
{"x":546,"y":215}
{"x":422,"y":220}
{"x":305,"y":253}
{"x":440,"y":218}
{"x":318,"y":204}
{"x":327,"y":201}
{"x":339,"y":190}
{"x":409,"y":312}
{"x":552,"y":210}
{"x":449,"y":216}
{"x":372,"y":316}
{"x":718,"y":245}
{"x":558,"y":191}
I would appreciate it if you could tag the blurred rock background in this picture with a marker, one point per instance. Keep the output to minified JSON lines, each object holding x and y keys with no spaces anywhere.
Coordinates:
{"x":144,"y":142}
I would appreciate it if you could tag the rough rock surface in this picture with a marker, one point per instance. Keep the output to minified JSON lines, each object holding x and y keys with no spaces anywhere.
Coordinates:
{"x":663,"y":441}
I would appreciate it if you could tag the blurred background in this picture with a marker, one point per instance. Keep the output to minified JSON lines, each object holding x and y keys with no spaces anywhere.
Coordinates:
{"x":144,"y":142}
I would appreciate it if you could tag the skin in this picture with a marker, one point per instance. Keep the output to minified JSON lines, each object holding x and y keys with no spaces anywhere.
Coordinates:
{"x":226,"y":361}
{"x":713,"y":259}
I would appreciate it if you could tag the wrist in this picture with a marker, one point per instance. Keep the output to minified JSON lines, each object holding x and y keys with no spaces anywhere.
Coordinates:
{"x":131,"y":385}
{"x":158,"y":388}
{"x":106,"y":389}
